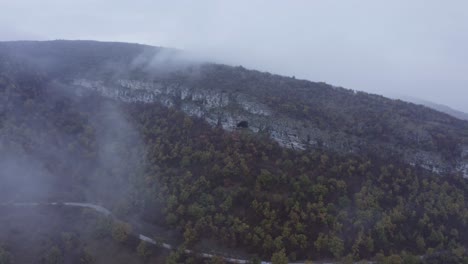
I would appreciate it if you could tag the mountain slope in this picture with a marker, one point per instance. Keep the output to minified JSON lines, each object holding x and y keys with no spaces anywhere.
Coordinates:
{"x":439,"y":107}
{"x":296,"y":113}
{"x":100,"y":122}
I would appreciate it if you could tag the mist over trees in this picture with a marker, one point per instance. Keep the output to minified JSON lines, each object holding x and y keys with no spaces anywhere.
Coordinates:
{"x":233,"y":191}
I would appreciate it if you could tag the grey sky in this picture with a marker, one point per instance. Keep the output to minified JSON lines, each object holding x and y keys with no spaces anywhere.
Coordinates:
{"x":400,"y":47}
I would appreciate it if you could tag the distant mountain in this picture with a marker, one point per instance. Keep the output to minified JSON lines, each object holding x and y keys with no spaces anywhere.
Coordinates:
{"x":439,"y":107}
{"x":226,"y":160}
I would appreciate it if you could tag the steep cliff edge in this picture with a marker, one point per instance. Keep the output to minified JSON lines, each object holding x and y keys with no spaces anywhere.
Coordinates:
{"x":297,"y":114}
{"x":234,"y":109}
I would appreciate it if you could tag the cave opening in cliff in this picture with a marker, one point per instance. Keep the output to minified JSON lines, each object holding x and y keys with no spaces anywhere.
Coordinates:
{"x":243,"y":124}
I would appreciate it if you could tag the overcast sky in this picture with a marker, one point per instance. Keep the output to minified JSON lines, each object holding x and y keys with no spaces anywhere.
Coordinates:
{"x":400,"y":47}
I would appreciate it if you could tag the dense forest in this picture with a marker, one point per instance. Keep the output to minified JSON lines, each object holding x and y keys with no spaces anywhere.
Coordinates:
{"x":237,"y":188}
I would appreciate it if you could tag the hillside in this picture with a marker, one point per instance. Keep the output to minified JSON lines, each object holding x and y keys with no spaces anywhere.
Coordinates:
{"x":439,"y":107}
{"x":296,"y":113}
{"x":230,"y":159}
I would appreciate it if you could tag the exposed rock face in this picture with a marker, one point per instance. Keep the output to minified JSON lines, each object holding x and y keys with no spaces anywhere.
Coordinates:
{"x":230,"y":108}
{"x":296,"y":113}
{"x":463,"y":166}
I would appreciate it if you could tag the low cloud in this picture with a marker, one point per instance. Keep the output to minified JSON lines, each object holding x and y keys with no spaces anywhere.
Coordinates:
{"x":396,"y":48}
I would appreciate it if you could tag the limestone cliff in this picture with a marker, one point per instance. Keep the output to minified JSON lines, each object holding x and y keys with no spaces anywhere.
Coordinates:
{"x":230,"y":108}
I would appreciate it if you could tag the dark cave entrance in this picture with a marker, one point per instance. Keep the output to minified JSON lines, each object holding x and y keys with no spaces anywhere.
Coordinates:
{"x":243,"y":124}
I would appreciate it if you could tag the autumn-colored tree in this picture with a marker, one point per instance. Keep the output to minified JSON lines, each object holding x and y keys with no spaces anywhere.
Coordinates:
{"x":279,"y":257}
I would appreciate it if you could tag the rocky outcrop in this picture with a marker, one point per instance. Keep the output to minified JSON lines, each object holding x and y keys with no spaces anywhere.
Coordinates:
{"x":227,"y":109}
{"x":231,"y":108}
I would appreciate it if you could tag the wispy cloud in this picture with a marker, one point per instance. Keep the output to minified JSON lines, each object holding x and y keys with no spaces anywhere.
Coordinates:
{"x":414,"y":48}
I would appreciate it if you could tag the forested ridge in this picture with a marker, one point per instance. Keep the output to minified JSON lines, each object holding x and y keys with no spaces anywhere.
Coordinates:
{"x":240,"y":188}
{"x":356,"y":120}
{"x":248,"y":191}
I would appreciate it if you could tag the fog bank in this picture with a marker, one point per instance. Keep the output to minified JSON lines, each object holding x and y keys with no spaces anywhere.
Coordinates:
{"x":396,"y":48}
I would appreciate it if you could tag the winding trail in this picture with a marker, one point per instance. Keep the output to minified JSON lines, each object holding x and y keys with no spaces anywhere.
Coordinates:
{"x":108,"y":213}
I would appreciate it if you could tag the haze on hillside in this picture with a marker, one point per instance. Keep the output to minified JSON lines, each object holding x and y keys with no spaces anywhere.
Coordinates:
{"x":175,"y":160}
{"x":397,"y":48}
